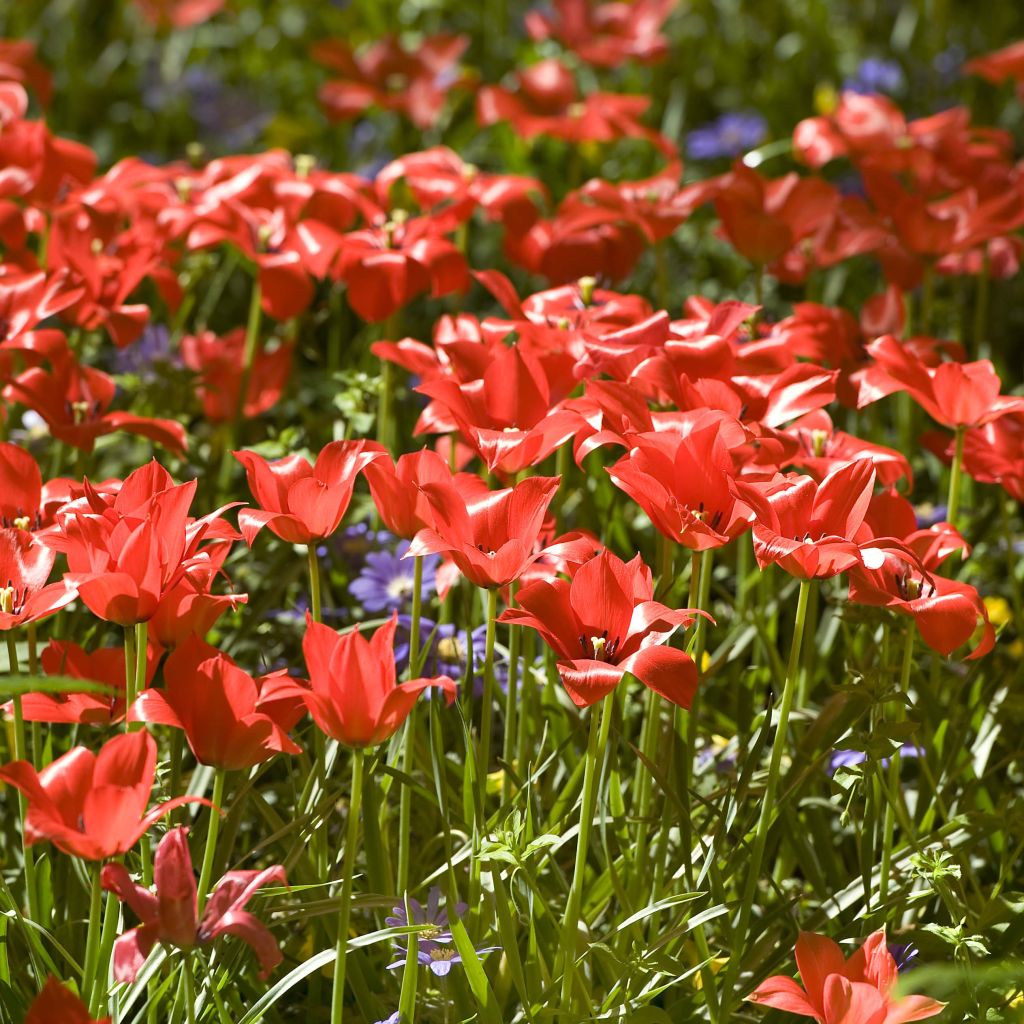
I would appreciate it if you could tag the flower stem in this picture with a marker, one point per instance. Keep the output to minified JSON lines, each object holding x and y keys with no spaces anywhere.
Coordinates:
{"x":21,"y":754}
{"x":600,"y":725}
{"x":956,"y":478}
{"x":347,"y":867}
{"x":314,"y":583}
{"x":137,"y":671}
{"x":894,"y":771}
{"x":487,"y":710}
{"x":188,"y":990}
{"x":386,"y":409}
{"x":511,"y":701}
{"x":409,"y":739}
{"x":130,"y":693}
{"x":206,"y":871}
{"x":92,"y":941}
{"x":740,"y":936}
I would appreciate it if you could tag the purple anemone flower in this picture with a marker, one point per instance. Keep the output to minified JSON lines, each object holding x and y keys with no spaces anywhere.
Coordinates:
{"x":386,"y":581}
{"x":448,"y":651}
{"x":875,"y":75}
{"x":730,"y":135}
{"x":434,"y":949}
{"x":849,"y":758}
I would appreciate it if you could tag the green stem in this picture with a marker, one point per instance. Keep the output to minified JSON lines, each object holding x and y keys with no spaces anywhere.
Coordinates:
{"x":956,"y":478}
{"x":213,"y":830}
{"x":21,"y":754}
{"x":347,"y":868}
{"x":600,"y":725}
{"x":768,"y":808}
{"x":130,"y":693}
{"x":894,"y":770}
{"x":92,"y":940}
{"x":314,"y":583}
{"x":252,"y":333}
{"x":138,"y":670}
{"x":386,"y":432}
{"x":409,"y":739}
{"x":487,"y":710}
{"x":188,"y":990}
{"x":511,"y":702}
{"x":981,"y":307}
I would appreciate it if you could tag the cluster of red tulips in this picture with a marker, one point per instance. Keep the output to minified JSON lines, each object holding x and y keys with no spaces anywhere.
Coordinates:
{"x":715,"y":423}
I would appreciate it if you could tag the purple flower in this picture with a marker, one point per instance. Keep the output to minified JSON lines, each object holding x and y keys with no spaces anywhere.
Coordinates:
{"x":729,"y":135}
{"x":446,"y":649}
{"x":434,"y":939}
{"x":355,"y":542}
{"x":386,"y":581}
{"x":849,"y":758}
{"x":393,"y":1019}
{"x":904,"y":956}
{"x":433,"y":916}
{"x":875,"y":75}
{"x":153,"y":346}
{"x":929,"y":515}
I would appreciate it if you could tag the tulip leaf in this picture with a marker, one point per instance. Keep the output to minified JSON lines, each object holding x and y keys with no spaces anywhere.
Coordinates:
{"x":18,"y":685}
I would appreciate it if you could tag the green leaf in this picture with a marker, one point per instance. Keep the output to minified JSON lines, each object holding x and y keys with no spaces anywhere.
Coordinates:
{"x":475,"y":975}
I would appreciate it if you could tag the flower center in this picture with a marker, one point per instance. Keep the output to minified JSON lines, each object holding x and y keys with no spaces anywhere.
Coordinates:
{"x":599,"y":647}
{"x":443,"y":953}
{"x":430,"y":931}
{"x":400,"y":587}
{"x":450,"y":649}
{"x":12,"y":600}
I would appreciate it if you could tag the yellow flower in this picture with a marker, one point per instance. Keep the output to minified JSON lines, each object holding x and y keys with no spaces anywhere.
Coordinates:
{"x":999,"y":612}
{"x":826,"y":99}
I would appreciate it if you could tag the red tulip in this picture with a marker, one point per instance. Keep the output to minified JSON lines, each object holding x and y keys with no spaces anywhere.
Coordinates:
{"x":90,"y":805}
{"x":763,"y":219}
{"x":385,"y":74}
{"x":25,"y":565}
{"x":126,"y":553}
{"x":490,"y":535}
{"x":947,"y":613}
{"x":21,"y":488}
{"x":994,"y":454}
{"x":386,"y":266}
{"x":605,"y":34}
{"x":840,"y":991}
{"x":169,"y":916}
{"x":604,"y":624}
{"x":178,"y":13}
{"x":682,"y":483}
{"x":822,"y":448}
{"x":811,"y":529}
{"x":75,"y":401}
{"x":507,"y":415}
{"x":396,"y":490}
{"x":219,"y":363}
{"x":219,"y":708}
{"x":1000,"y":64}
{"x":299,"y":502}
{"x":353,"y":696}
{"x":105,"y":666}
{"x":26,"y":300}
{"x":954,"y":394}
{"x":18,"y":63}
{"x":59,"y":1005}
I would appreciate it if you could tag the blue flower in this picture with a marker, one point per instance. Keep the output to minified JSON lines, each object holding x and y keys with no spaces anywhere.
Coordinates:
{"x":729,"y":135}
{"x":434,"y":940}
{"x":904,"y":956}
{"x":876,"y":75}
{"x":153,"y":346}
{"x":929,"y":515}
{"x":386,"y":581}
{"x":355,"y":542}
{"x":393,"y":1019}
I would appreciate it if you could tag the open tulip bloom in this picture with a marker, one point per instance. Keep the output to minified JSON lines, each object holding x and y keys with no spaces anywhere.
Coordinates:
{"x":605,"y":623}
{"x":840,"y":991}
{"x":170,"y":917}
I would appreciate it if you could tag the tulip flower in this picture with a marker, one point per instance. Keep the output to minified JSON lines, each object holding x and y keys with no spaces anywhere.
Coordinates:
{"x":396,"y":490}
{"x":353,"y":695}
{"x":75,"y":402}
{"x":220,"y":363}
{"x":605,"y":35}
{"x":90,"y":805}
{"x":105,"y":666}
{"x":490,"y":535}
{"x":810,"y":529}
{"x":682,"y":483}
{"x":170,"y":915}
{"x":21,"y":488}
{"x":840,"y":991}
{"x":1000,"y":65}
{"x":994,"y":454}
{"x":302,"y":503}
{"x":954,"y":394}
{"x":219,"y":707}
{"x":25,"y":566}
{"x":604,"y":624}
{"x":947,"y":613}
{"x":411,"y":82}
{"x":127,"y":551}
{"x":57,"y":1004}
